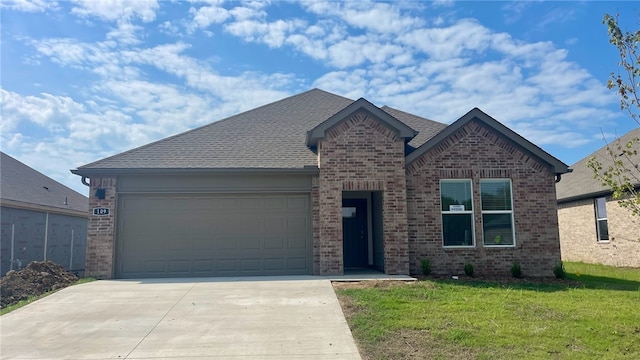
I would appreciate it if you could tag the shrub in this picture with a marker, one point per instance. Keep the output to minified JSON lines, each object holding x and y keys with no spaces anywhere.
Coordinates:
{"x":559,"y":272}
{"x":516,"y":270}
{"x":468,"y":269}
{"x":425,"y":266}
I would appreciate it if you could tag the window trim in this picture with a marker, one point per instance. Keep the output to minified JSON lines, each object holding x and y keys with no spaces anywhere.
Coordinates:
{"x":598,"y":219}
{"x":488,"y":212}
{"x":466,"y":212}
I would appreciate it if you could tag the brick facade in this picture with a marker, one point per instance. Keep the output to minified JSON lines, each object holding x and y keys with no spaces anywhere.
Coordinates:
{"x":361,"y":154}
{"x":101,"y":231}
{"x":475,"y":152}
{"x":578,"y":234}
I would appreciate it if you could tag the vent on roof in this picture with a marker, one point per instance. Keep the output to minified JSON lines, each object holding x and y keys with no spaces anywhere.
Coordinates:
{"x":46,"y":188}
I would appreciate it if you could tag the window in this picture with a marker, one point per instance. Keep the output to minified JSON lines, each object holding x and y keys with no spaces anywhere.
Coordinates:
{"x":602,"y":226}
{"x":457,"y":213}
{"x":348,"y":212}
{"x":497,"y":212}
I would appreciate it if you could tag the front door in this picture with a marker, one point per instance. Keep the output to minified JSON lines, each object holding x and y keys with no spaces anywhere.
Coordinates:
{"x":354,"y":233}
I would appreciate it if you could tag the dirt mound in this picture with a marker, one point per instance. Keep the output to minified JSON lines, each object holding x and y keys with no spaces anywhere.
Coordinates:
{"x":37,"y":278}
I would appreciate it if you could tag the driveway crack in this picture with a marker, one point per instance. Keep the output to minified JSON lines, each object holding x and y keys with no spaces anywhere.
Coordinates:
{"x":159,"y":321}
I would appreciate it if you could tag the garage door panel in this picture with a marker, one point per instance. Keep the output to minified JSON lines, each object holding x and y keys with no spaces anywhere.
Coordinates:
{"x":298,"y":224}
{"x":297,"y":242}
{"x":213,"y":235}
{"x":180,"y":266}
{"x":251,"y":243}
{"x":300,"y":263}
{"x":203,"y":266}
{"x":276,"y":264}
{"x":297,"y":204}
{"x":204,"y":243}
{"x":275,"y":224}
{"x":274,"y":243}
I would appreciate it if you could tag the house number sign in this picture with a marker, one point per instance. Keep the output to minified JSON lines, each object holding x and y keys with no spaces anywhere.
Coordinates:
{"x":101,"y":211}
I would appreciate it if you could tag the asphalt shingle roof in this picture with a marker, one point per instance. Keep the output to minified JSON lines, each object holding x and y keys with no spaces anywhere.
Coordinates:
{"x":19,"y":182}
{"x":272,"y":136}
{"x":580,"y":183}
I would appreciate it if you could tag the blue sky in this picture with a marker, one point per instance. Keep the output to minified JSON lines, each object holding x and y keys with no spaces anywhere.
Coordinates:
{"x":82,"y":80}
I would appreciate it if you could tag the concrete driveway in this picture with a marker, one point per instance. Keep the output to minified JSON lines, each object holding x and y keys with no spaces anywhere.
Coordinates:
{"x":212,"y":318}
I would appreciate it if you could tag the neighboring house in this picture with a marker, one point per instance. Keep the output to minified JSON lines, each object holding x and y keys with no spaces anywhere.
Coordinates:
{"x":41,"y":219}
{"x":317,"y":183}
{"x":594,"y":228}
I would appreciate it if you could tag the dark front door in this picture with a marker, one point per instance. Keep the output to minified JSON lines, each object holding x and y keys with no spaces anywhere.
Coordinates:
{"x":354,"y":233}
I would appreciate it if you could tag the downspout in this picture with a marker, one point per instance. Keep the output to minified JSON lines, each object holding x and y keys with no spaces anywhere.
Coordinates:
{"x":71,"y":255}
{"x":84,"y":181}
{"x":558,"y":177}
{"x":13,"y":243}
{"x":46,"y":235}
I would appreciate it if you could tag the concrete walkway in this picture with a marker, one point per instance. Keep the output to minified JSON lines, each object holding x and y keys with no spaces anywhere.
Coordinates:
{"x":212,"y":318}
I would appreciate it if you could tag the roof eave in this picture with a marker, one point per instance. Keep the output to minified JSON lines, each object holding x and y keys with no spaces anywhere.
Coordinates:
{"x":44,"y":208}
{"x":307,"y":169}
{"x":589,"y":195}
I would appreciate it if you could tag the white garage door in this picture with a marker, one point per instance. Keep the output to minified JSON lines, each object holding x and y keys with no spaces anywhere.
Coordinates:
{"x":213,"y":235}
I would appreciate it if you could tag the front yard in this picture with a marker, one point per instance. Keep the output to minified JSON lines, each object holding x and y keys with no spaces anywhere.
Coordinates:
{"x":594,"y":315}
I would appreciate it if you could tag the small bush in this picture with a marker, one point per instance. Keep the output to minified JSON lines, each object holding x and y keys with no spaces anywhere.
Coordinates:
{"x":468,"y":269}
{"x":516,"y":270}
{"x":559,"y":271}
{"x":425,"y":266}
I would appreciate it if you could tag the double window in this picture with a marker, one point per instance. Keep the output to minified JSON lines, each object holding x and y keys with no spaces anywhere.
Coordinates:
{"x":456,"y":198}
{"x":602,"y":225}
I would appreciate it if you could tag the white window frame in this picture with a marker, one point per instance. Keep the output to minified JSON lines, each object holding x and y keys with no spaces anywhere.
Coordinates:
{"x":466,"y":212}
{"x":598,"y":219}
{"x":488,"y":212}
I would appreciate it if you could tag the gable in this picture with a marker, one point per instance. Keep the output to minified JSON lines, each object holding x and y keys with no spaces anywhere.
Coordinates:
{"x":507,"y":137}
{"x":368,"y":110}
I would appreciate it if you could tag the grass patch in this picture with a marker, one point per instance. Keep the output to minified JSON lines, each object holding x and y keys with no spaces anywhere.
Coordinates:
{"x":441,"y":319}
{"x":31,"y":299}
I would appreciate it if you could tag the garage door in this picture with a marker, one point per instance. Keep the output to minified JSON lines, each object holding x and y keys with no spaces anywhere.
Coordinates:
{"x":213,"y":235}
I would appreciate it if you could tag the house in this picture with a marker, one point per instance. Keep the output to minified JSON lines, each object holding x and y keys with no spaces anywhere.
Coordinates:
{"x":594,"y":228}
{"x":41,"y":219}
{"x":318,"y":184}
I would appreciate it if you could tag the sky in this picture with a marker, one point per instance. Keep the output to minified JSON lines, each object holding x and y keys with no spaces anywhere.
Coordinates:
{"x":83,"y":80}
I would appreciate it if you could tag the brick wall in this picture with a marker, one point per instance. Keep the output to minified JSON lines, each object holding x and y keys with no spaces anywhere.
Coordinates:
{"x":578,"y":238}
{"x":476,"y":152}
{"x":101,"y":231}
{"x":360,"y":154}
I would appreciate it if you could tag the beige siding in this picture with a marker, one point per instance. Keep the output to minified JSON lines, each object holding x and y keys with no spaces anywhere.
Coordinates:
{"x":578,"y":237}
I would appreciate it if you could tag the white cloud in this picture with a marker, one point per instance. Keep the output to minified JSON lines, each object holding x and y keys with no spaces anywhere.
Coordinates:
{"x":117,"y":10}
{"x":272,"y":34}
{"x":125,"y":33}
{"x":207,"y":15}
{"x":351,"y":84}
{"x":373,"y":16}
{"x":449,"y":42}
{"x":29,"y":5}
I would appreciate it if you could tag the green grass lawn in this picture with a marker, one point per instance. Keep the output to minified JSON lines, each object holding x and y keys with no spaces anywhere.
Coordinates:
{"x":598,"y":318}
